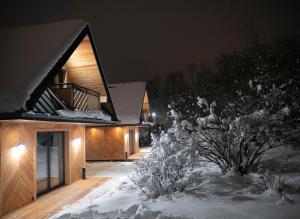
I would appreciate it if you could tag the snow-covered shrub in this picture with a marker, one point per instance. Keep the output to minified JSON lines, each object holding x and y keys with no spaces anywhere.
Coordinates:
{"x":269,"y":180}
{"x":234,"y":144}
{"x":172,"y":164}
{"x":236,"y":136}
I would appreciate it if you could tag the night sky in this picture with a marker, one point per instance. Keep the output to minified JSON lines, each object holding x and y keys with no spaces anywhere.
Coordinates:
{"x":136,"y":39}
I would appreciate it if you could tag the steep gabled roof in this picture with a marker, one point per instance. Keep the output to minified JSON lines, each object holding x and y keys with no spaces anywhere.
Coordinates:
{"x":128,"y":100}
{"x":32,"y":55}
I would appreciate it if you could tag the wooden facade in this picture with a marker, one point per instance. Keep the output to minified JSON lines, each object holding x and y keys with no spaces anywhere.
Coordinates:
{"x":110,"y":143}
{"x":146,"y":110}
{"x":82,"y":69}
{"x":18,"y":166}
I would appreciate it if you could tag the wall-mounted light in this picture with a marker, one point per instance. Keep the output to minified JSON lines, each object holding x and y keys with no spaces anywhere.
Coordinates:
{"x":126,"y":137}
{"x":18,"y":150}
{"x":76,"y":142}
{"x":153,"y":114}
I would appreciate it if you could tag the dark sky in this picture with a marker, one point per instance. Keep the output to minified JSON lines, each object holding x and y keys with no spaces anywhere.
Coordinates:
{"x":136,"y":39}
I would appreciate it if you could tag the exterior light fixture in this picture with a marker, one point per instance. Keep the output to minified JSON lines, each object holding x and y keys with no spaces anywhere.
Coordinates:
{"x":153,"y":114}
{"x":18,"y":150}
{"x":126,"y":137}
{"x":77,"y":142}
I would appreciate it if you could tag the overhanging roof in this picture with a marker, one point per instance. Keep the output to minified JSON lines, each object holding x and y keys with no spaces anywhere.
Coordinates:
{"x":128,"y":100}
{"x":32,"y":55}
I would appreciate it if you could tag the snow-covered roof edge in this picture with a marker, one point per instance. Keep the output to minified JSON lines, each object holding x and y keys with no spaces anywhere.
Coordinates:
{"x":128,"y":99}
{"x":102,"y":73}
{"x":32,"y":86}
{"x":28,"y":96}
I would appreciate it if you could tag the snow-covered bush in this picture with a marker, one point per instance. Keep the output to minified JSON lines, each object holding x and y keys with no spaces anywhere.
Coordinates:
{"x":234,"y":132}
{"x":172,"y":164}
{"x":269,"y":180}
{"x":265,"y":116}
{"x":236,"y":144}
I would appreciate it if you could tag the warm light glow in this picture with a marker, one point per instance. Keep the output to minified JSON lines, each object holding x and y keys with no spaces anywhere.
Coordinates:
{"x":136,"y":135}
{"x":18,"y":150}
{"x":103,"y":99}
{"x":93,"y":131}
{"x":118,"y":129}
{"x":153,"y":114}
{"x":126,"y":137}
{"x":77,"y":142}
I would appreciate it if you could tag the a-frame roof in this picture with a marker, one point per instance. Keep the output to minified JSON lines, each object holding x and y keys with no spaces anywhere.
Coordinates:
{"x":128,"y":100}
{"x":32,"y":55}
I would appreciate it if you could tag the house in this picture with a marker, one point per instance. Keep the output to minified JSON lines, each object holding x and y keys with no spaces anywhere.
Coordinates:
{"x":52,"y":87}
{"x":119,"y":141}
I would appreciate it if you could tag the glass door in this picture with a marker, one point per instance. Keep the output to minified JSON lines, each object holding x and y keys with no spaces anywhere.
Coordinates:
{"x":50,"y":161}
{"x":131,"y":141}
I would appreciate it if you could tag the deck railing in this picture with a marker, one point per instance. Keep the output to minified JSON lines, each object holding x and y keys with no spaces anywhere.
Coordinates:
{"x":78,"y":97}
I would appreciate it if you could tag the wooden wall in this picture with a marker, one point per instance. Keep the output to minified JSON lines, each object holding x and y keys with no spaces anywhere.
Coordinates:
{"x":18,"y":168}
{"x":105,"y":143}
{"x":0,"y":172}
{"x":109,"y":143}
{"x":82,"y":68}
{"x":136,"y":140}
{"x":146,"y":110}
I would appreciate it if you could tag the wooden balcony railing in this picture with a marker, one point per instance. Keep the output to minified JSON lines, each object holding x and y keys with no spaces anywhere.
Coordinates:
{"x":78,"y":97}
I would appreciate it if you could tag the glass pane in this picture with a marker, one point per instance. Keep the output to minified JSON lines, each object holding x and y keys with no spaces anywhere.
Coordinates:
{"x":56,"y":159}
{"x":41,"y":164}
{"x":50,"y":161}
{"x":131,"y":141}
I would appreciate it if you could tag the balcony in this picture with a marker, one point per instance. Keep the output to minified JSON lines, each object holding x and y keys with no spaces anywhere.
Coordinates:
{"x":78,"y":97}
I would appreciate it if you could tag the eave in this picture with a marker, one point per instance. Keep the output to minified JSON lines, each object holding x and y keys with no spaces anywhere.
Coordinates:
{"x":54,"y":118}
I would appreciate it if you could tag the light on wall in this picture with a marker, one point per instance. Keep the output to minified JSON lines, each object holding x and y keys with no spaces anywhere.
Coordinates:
{"x":126,"y":137}
{"x":76,"y":142}
{"x":153,"y":114}
{"x":18,"y":150}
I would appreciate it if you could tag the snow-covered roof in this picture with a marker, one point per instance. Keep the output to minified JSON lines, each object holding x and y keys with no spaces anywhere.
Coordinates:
{"x":128,"y":99}
{"x":27,"y":55}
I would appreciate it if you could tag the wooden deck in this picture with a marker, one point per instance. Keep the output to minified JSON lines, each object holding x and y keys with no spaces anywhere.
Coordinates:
{"x":50,"y":203}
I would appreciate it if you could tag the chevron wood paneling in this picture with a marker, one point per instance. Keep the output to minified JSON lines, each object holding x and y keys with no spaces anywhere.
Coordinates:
{"x":0,"y":172}
{"x":82,"y":68}
{"x":18,"y":184}
{"x":108,"y":143}
{"x":105,"y":143}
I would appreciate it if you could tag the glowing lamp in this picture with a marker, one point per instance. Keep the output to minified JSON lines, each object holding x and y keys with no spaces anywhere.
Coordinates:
{"x":153,"y":114}
{"x":126,"y":136}
{"x":18,"y":150}
{"x":77,"y":142}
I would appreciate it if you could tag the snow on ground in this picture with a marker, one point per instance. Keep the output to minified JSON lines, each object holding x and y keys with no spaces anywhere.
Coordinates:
{"x":215,"y":196}
{"x":109,"y":169}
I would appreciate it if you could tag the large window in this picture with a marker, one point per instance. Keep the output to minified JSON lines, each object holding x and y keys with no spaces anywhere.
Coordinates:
{"x":50,"y":161}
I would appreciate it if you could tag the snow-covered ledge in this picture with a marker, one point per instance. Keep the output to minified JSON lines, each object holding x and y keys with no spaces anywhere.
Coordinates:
{"x":82,"y":114}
